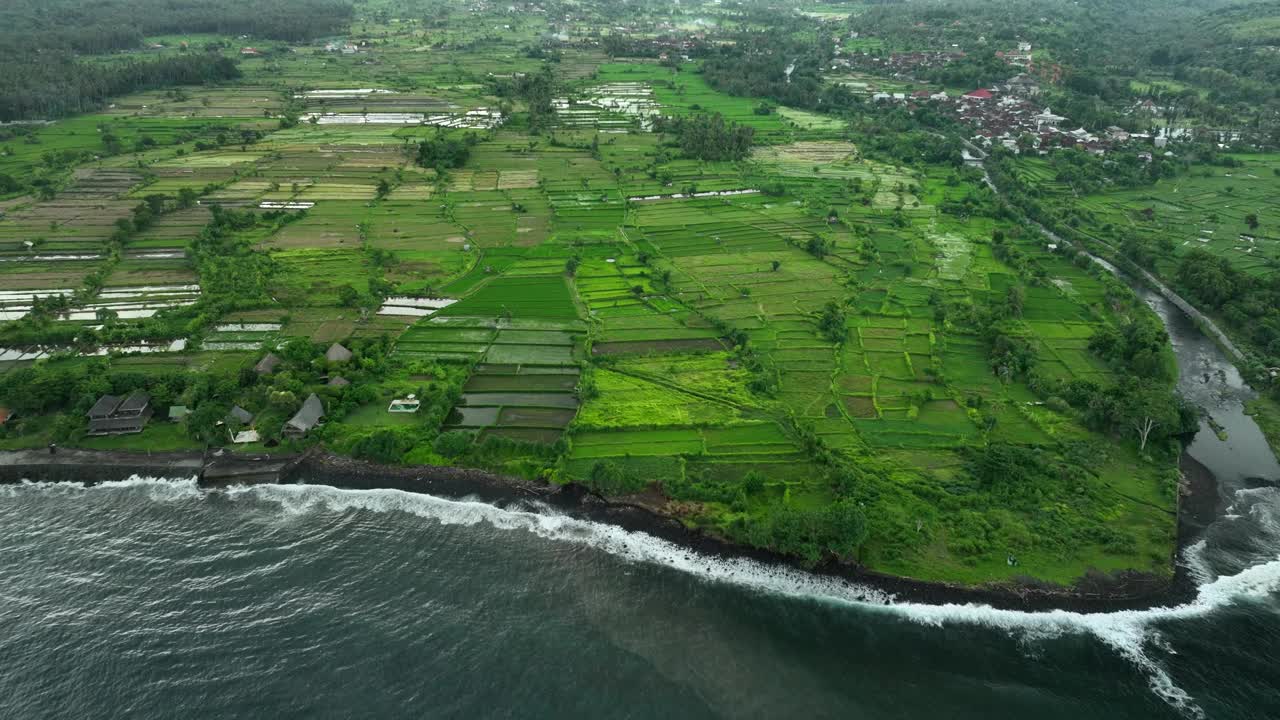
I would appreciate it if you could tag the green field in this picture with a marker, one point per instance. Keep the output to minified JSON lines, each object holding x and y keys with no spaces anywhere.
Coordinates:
{"x":749,"y":341}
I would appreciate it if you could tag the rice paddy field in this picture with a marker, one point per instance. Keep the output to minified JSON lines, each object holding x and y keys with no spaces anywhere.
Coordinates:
{"x":1205,"y":208}
{"x":588,"y":298}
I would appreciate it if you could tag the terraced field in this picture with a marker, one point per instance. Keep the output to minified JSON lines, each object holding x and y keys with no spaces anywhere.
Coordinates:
{"x":732,"y":342}
{"x":1204,"y":209}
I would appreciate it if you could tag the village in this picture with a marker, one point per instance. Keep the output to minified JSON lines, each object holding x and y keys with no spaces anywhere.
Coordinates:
{"x":1014,"y":113}
{"x":130,"y":414}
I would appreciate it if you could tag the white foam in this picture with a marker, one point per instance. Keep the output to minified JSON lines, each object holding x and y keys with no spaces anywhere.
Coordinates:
{"x":157,"y":489}
{"x":1129,"y":632}
{"x":1263,"y":506}
{"x":551,"y":525}
{"x":1193,"y":559}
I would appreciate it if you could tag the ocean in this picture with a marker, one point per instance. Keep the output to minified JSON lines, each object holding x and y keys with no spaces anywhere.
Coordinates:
{"x":157,"y":599}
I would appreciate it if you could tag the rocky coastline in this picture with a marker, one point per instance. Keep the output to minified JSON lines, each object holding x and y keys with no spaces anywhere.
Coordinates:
{"x":1094,"y":593}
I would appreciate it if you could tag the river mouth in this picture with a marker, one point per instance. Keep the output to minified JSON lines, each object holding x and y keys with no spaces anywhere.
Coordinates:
{"x":1229,"y":443}
{"x":1229,"y":515}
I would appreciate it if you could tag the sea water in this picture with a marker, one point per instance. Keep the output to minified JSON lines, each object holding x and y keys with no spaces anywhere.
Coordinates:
{"x":154,"y":598}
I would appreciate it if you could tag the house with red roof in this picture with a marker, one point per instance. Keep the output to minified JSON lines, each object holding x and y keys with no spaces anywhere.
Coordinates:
{"x":979,"y":94}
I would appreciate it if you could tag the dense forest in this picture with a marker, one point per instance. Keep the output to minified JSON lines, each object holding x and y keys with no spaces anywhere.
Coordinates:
{"x":1249,"y":303}
{"x":61,"y":86}
{"x":708,"y":136}
{"x":41,"y":42}
{"x":120,"y":25}
{"x":778,"y":66}
{"x":1087,"y":32}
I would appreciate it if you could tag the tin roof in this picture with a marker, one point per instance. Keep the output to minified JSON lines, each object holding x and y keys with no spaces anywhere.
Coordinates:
{"x":106,"y":405}
{"x":136,"y":401}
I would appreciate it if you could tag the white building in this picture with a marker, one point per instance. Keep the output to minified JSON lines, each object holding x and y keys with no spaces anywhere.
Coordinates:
{"x":408,"y":404}
{"x":1047,"y":118}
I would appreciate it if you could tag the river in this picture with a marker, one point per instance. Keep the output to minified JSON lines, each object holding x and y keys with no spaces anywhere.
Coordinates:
{"x":1228,"y":443}
{"x":154,"y":599}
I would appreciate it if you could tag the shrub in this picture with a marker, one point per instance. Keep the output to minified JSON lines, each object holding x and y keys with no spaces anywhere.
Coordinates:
{"x":453,"y":443}
{"x":383,"y":445}
{"x":606,"y":477}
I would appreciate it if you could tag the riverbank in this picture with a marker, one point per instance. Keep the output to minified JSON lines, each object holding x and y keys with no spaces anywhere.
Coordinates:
{"x":1203,"y":321}
{"x":1094,"y":593}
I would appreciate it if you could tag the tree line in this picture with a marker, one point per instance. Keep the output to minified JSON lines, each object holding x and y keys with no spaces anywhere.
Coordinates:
{"x":708,"y":136}
{"x":107,"y":25}
{"x":443,"y":152}
{"x":1249,"y":303}
{"x":535,"y":90}
{"x":62,"y":86}
{"x":41,"y":44}
{"x":777,"y":66}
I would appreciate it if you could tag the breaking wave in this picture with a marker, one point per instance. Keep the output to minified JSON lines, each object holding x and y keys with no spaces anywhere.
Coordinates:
{"x":157,"y":489}
{"x":546,"y":523}
{"x":1130,"y":633}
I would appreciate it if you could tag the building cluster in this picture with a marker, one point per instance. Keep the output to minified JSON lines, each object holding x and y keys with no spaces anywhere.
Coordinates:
{"x":1009,"y":115}
{"x":908,"y":65}
{"x":116,"y":415}
{"x":1021,"y":125}
{"x":344,"y":48}
{"x":1020,"y":56}
{"x":903,"y":64}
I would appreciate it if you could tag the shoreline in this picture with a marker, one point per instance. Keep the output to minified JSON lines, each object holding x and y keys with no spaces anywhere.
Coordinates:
{"x":1092,"y":594}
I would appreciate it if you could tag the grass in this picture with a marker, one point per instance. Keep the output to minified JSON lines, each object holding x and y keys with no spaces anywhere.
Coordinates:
{"x":160,"y":435}
{"x":629,"y":401}
{"x":1202,"y":208}
{"x":628,"y":358}
{"x":542,"y":297}
{"x":1266,"y":413}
